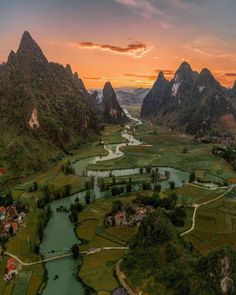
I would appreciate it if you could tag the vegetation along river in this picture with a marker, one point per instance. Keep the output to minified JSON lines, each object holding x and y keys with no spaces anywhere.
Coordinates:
{"x":59,"y":234}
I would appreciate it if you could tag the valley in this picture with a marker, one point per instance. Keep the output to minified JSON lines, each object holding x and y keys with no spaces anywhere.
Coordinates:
{"x":156,"y":147}
{"x":106,"y":190}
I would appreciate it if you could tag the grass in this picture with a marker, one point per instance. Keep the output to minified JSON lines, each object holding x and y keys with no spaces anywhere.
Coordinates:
{"x":136,"y":178}
{"x":97,"y":269}
{"x":167,"y":150}
{"x":87,"y":229}
{"x":22,"y":245}
{"x":190,"y":194}
{"x":22,"y":283}
{"x":112,"y":134}
{"x":53,"y":175}
{"x":215,"y":226}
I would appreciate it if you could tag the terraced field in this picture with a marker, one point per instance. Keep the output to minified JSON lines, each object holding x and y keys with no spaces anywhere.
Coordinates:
{"x":97,"y":269}
{"x":215,"y":226}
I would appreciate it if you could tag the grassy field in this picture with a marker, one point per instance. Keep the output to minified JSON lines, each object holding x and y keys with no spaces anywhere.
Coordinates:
{"x":22,"y":245}
{"x":215,"y":226}
{"x":167,"y":150}
{"x":97,"y":270}
{"x":112,"y":134}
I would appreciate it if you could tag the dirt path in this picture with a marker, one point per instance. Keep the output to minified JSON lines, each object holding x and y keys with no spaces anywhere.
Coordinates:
{"x":196,"y":207}
{"x":121,"y":278}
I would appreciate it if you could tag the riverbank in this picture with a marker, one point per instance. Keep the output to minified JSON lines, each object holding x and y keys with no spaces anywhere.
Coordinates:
{"x":155,"y":149}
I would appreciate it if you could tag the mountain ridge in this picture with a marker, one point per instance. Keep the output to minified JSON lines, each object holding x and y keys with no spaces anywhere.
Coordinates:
{"x":192,"y":102}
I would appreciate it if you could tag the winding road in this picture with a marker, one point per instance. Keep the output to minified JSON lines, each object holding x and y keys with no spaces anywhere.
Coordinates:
{"x":197,"y":206}
{"x":121,"y":277}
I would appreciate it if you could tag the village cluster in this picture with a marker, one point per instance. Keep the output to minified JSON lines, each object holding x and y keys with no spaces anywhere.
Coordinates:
{"x":130,"y":217}
{"x":11,"y":219}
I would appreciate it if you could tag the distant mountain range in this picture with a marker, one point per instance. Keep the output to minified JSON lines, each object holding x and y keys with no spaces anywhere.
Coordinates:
{"x":44,"y":108}
{"x":127,"y":95}
{"x":131,"y":96}
{"x":192,"y":102}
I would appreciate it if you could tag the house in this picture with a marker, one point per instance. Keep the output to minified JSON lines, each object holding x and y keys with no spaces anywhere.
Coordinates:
{"x":3,"y":171}
{"x":120,"y":218}
{"x":12,"y":268}
{"x":110,"y":221}
{"x":2,"y":213}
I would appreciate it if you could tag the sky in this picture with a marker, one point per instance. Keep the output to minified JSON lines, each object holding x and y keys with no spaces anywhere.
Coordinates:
{"x":126,"y":42}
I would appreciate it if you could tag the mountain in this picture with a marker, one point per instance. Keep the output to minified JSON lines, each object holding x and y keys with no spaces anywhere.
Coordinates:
{"x":192,"y":102}
{"x":155,"y":98}
{"x":131,"y":96}
{"x":160,"y":259}
{"x":232,"y":91}
{"x":112,"y":111}
{"x":43,"y":108}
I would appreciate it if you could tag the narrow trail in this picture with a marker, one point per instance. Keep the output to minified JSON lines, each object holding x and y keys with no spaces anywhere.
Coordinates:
{"x":197,"y":206}
{"x":121,"y":278}
{"x":84,"y":253}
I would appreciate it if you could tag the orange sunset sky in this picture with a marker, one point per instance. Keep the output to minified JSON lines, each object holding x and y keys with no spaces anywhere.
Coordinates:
{"x":126,"y":41}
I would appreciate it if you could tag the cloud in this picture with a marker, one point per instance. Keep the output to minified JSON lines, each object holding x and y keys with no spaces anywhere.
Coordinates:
{"x":144,"y":7}
{"x":92,"y":78}
{"x":165,"y":72}
{"x":230,"y":74}
{"x":148,"y":77}
{"x":136,"y":49}
{"x":211,"y":46}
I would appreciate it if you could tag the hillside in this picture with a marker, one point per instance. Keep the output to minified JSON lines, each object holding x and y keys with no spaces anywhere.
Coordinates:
{"x":43,"y":107}
{"x":159,"y":259}
{"x":192,"y":102}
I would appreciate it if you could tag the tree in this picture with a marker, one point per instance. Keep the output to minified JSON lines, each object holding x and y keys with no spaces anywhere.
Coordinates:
{"x":87,"y":185}
{"x":185,"y":150}
{"x":87,"y":198}
{"x":148,"y":169}
{"x":234,"y":165}
{"x":9,"y":199}
{"x":178,"y":216}
{"x":66,"y":190}
{"x":172,"y":185}
{"x":157,"y":188}
{"x":128,"y":187}
{"x":117,"y":206}
{"x":192,"y":177}
{"x":75,"y":251}
{"x":92,"y":181}
{"x":167,"y":173}
{"x":36,"y":186}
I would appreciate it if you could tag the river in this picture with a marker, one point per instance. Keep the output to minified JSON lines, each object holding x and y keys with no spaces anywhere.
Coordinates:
{"x":59,"y":233}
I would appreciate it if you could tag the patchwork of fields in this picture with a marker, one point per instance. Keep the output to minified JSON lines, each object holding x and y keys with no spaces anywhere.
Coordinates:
{"x":97,"y":270}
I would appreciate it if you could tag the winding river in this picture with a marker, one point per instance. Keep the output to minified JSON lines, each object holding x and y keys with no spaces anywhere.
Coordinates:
{"x":59,"y":233}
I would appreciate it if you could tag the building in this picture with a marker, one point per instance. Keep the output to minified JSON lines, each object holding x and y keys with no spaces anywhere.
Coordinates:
{"x":12,"y":269}
{"x":3,"y":171}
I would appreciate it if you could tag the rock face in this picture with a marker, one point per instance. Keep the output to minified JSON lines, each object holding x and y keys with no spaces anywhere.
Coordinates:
{"x":192,"y":102}
{"x":40,"y":102}
{"x":112,"y":111}
{"x":232,"y":91}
